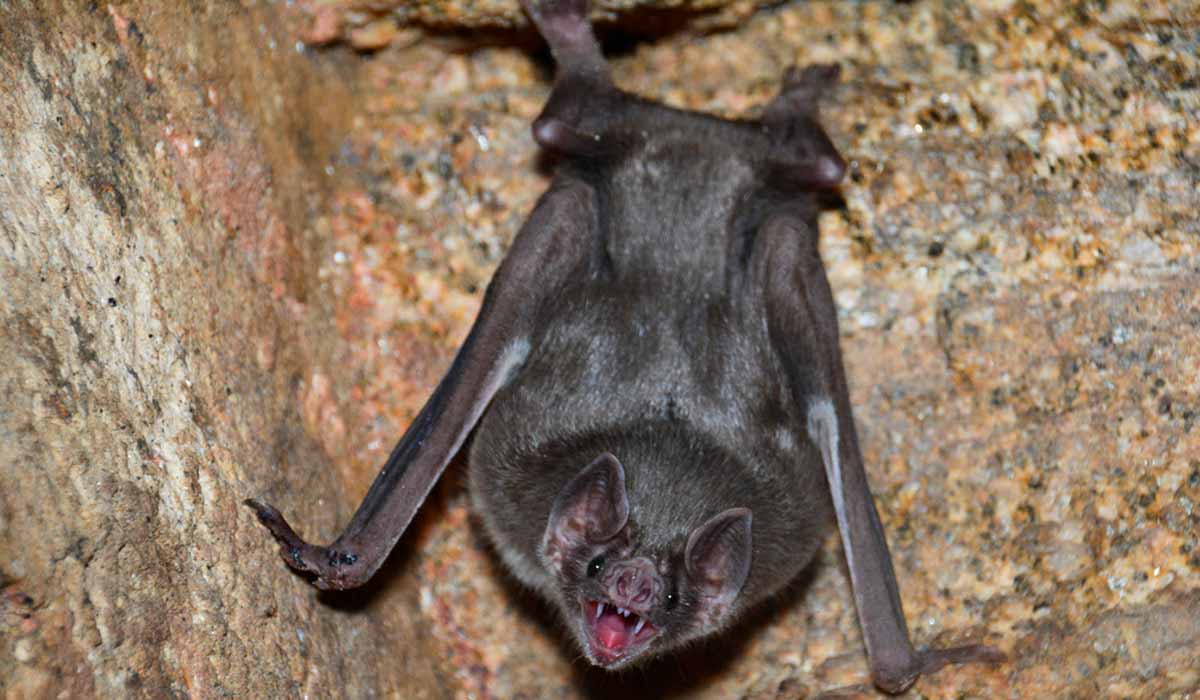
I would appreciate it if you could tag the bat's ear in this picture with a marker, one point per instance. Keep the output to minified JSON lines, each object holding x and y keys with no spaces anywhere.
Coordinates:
{"x":717,"y":559}
{"x":809,"y":157}
{"x":592,"y":508}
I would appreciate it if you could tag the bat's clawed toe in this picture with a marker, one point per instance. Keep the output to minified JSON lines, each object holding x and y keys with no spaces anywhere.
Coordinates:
{"x":812,"y":79}
{"x":570,"y":13}
{"x":802,"y":90}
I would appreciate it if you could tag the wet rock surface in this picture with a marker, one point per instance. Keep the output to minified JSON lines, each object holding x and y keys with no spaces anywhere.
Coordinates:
{"x":235,"y":265}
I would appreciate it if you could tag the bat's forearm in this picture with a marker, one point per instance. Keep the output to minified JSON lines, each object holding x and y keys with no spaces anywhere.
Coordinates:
{"x":496,"y":347}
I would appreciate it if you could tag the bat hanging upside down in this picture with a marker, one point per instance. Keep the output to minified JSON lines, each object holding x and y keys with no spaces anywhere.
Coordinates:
{"x":660,"y":413}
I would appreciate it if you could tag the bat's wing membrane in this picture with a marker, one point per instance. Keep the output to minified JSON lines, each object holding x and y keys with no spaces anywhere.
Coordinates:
{"x":552,"y":248}
{"x":802,"y":323}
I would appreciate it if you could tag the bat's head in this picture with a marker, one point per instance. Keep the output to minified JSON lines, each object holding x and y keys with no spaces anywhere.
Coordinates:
{"x":625,"y":599}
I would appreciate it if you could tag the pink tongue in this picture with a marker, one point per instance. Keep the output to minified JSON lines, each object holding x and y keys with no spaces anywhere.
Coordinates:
{"x":612,"y":632}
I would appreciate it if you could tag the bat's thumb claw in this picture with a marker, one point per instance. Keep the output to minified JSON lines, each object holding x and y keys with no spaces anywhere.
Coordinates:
{"x":934,"y":659}
{"x":265,"y":512}
{"x":289,"y":542}
{"x":334,"y":568}
{"x":895,"y":674}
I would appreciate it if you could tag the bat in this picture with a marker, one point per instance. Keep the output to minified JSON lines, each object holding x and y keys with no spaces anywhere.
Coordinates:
{"x":662,"y":425}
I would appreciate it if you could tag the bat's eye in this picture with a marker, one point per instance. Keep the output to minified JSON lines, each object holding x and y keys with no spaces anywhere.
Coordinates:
{"x":672,"y":600}
{"x":595,"y":566}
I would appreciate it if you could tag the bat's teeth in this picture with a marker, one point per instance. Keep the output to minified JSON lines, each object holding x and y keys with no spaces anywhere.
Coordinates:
{"x":638,"y":628}
{"x":623,"y":611}
{"x":599,"y":610}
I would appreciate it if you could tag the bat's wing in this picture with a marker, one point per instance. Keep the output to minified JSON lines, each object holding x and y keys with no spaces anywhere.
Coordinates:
{"x":802,"y":322}
{"x":552,"y":247}
{"x":557,"y":244}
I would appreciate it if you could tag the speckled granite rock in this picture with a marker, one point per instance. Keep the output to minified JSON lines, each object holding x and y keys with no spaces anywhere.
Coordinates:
{"x":306,"y":236}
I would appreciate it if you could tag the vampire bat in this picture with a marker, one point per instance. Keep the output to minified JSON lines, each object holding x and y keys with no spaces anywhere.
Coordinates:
{"x":660,"y":412}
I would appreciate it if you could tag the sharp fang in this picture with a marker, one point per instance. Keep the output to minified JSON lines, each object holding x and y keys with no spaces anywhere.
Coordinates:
{"x":599,"y":610}
{"x":638,"y":628}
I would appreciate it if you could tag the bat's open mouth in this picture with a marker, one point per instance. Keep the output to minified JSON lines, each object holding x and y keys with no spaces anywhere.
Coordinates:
{"x":615,"y":631}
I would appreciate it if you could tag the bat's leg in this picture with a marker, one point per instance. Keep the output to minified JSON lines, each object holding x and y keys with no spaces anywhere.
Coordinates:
{"x":802,"y":320}
{"x":584,"y":97}
{"x":554,"y":246}
{"x":806,"y":154}
{"x":565,"y":27}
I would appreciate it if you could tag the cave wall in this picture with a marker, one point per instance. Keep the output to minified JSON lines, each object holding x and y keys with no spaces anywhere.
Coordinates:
{"x":234,"y":264}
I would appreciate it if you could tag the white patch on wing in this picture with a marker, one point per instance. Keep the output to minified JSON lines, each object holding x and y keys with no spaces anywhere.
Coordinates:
{"x":823,"y":431}
{"x":510,"y":358}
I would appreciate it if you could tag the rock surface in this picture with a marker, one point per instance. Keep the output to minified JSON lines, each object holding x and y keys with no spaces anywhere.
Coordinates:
{"x":235,"y":265}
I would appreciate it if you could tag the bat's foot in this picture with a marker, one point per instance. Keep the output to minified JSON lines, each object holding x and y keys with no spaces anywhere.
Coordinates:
{"x":802,"y":89}
{"x":565,"y":27}
{"x":895,"y":676}
{"x":335,"y":569}
{"x":809,"y":158}
{"x":567,"y":16}
{"x":813,"y":79}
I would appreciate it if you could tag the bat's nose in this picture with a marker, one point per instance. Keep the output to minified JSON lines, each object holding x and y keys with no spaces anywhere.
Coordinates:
{"x":633,"y":583}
